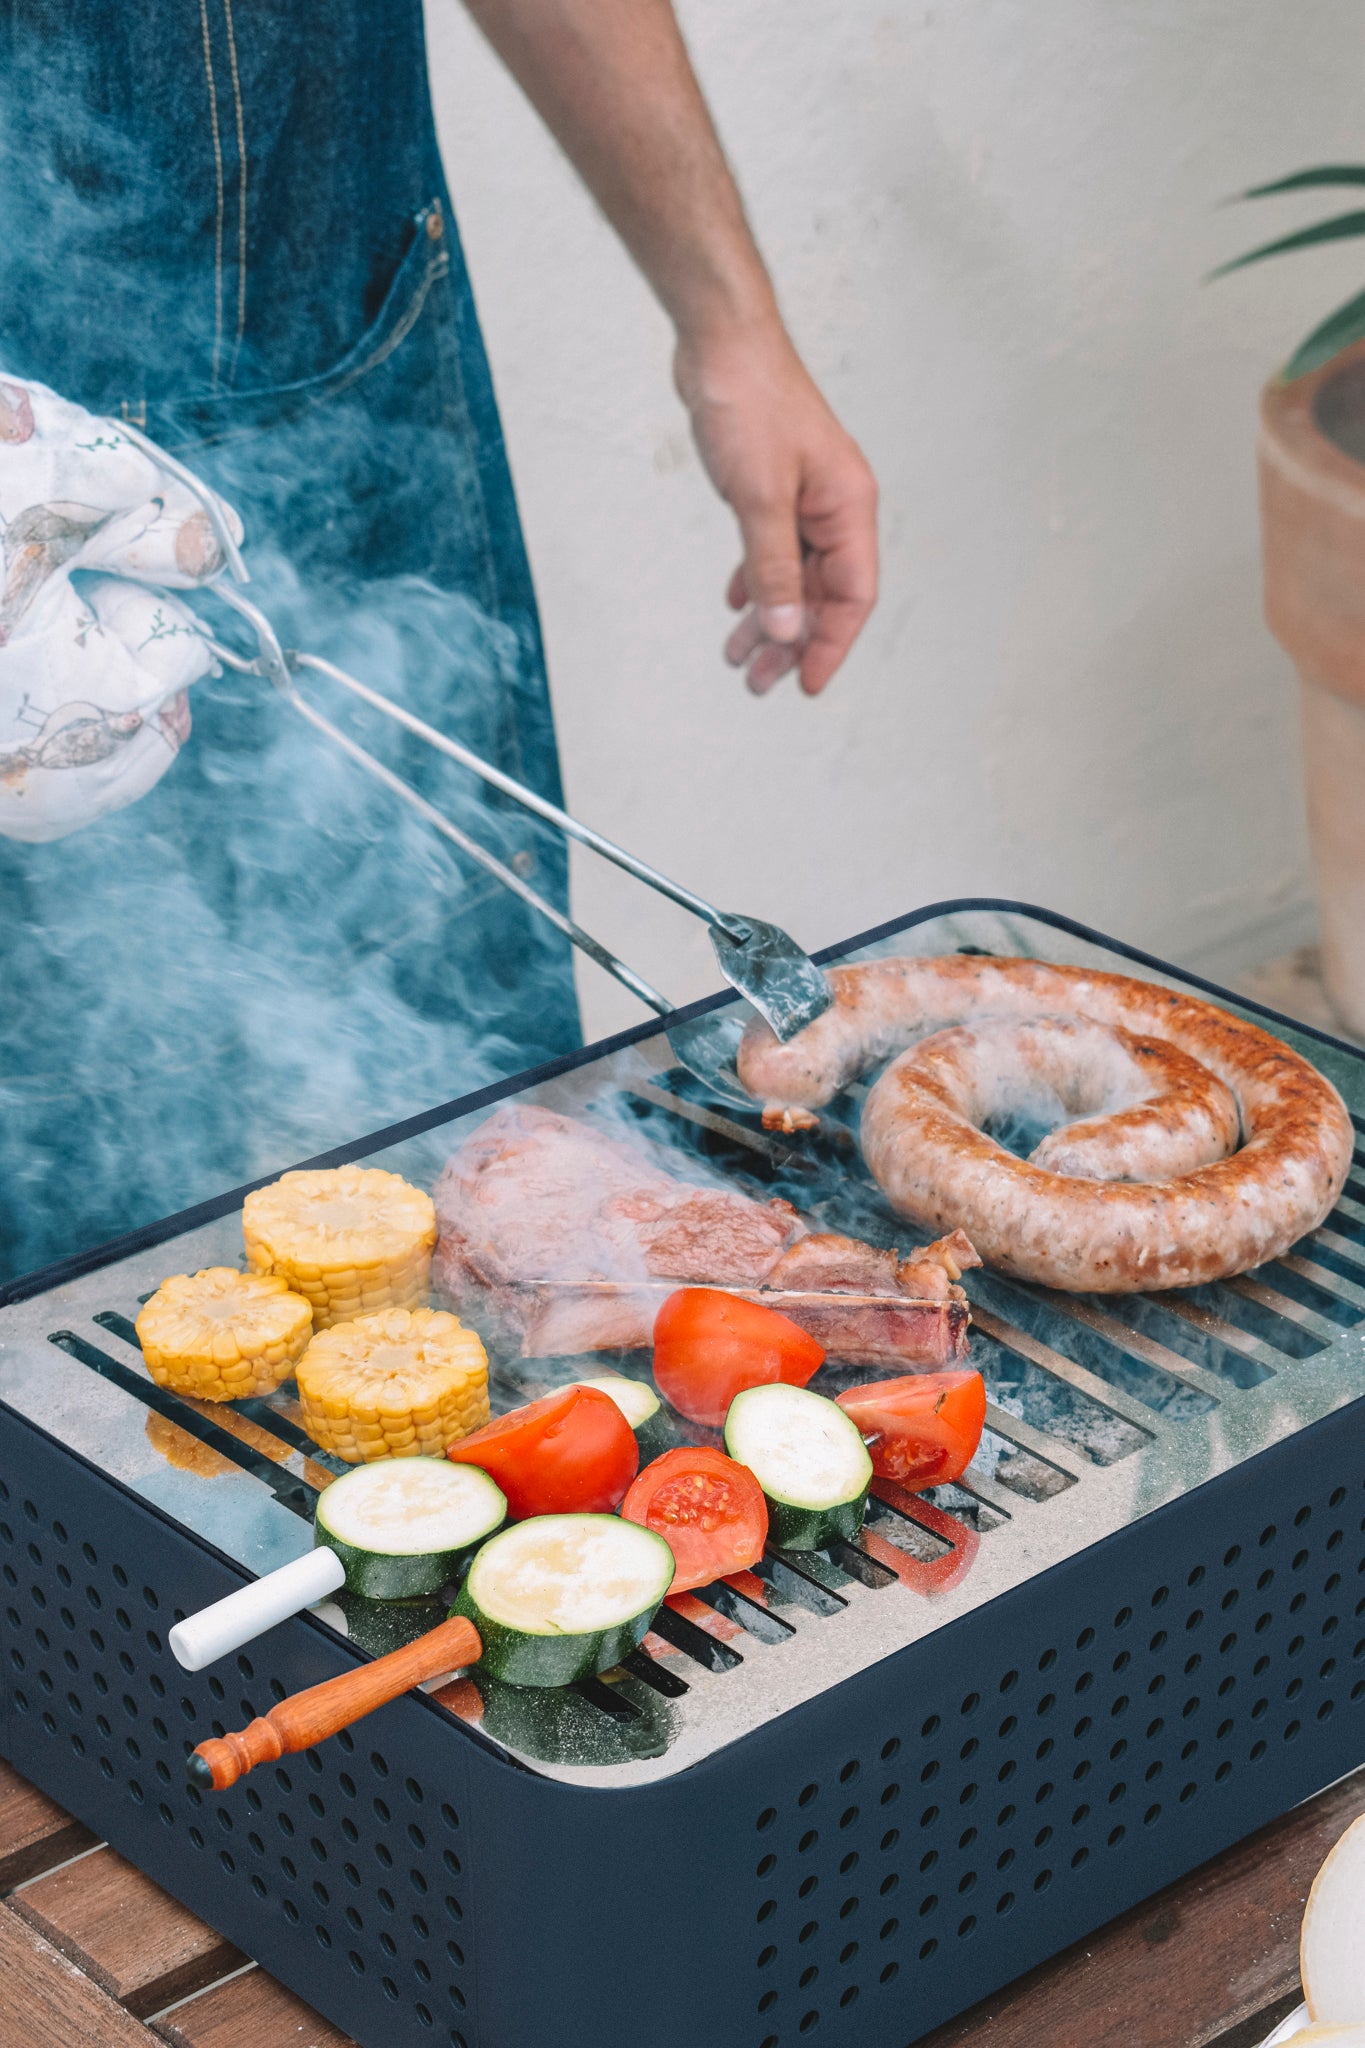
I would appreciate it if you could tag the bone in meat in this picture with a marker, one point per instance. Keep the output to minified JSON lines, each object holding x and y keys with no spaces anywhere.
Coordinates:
{"x":574,"y":1238}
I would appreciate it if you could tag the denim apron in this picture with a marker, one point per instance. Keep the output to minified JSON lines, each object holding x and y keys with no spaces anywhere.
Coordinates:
{"x":226,"y":221}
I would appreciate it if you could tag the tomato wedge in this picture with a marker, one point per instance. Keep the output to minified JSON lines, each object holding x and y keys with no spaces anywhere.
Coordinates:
{"x":573,"y":1453}
{"x":923,"y":1429}
{"x":710,"y":1512}
{"x":710,"y":1346}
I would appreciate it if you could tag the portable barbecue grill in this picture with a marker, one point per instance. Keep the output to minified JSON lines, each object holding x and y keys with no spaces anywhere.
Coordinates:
{"x":841,"y":1805}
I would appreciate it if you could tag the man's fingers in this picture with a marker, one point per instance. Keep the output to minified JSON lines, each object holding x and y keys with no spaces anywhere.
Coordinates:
{"x":737,"y":590}
{"x":747,"y":636}
{"x":767,"y":659}
{"x":836,"y":624}
{"x":772,"y":564}
{"x":836,"y":628}
{"x":846,"y":560}
{"x":769,"y":665}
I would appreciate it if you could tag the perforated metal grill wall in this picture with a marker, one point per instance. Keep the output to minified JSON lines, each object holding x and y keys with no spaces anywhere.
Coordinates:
{"x":1034,"y":1781}
{"x":343,"y":1857}
{"x":855,"y":1873}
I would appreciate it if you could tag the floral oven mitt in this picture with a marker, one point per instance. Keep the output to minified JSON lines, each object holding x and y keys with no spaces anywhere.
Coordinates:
{"x":93,"y":678}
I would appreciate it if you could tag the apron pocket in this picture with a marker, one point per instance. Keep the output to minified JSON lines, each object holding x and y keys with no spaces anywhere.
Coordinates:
{"x":188,"y":423}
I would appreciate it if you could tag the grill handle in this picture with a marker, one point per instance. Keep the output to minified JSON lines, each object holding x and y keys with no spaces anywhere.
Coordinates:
{"x":310,"y":1717}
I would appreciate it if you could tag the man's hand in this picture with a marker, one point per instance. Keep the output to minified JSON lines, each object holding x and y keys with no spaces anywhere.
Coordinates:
{"x":805,"y":499}
{"x":613,"y":81}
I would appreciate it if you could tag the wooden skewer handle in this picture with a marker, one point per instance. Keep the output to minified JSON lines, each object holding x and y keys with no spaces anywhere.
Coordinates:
{"x":311,"y":1716}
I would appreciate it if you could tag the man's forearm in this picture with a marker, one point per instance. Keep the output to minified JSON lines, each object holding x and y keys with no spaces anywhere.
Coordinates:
{"x":612,"y":80}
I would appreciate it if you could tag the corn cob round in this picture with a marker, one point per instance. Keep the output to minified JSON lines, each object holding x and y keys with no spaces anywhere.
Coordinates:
{"x":222,"y":1335}
{"x":400,"y":1384}
{"x":351,"y":1239}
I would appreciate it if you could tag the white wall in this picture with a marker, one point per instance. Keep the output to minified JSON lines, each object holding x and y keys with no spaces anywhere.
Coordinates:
{"x":988,"y":221}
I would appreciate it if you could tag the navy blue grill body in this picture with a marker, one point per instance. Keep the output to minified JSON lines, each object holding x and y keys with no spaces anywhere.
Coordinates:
{"x":856,"y":1872}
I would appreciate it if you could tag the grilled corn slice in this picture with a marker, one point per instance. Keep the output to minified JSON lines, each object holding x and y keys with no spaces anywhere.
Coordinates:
{"x":222,"y":1335}
{"x":351,"y":1239}
{"x":400,"y":1384}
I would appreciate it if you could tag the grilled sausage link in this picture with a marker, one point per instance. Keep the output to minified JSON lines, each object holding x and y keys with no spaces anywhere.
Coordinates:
{"x":1142,"y":1195}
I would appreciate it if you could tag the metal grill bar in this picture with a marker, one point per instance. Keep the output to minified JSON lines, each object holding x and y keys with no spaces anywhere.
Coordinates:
{"x":1078,"y":1376}
{"x":281,"y":1436}
{"x":1269,"y":1297}
{"x":1211,"y":1325}
{"x":1036,"y":1441}
{"x":291,"y":1490}
{"x":655,"y":1675}
{"x":982,"y":1487}
{"x":1135,"y":1344}
{"x":1325,"y":1273}
{"x":694,"y":1642}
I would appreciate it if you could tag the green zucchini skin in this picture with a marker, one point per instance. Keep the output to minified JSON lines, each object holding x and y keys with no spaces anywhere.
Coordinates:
{"x":559,"y":1727}
{"x":555,"y":1655}
{"x":799,"y":1525}
{"x":383,"y":1625}
{"x":655,"y":1435}
{"x":520,"y":1659}
{"x":379,"y":1575}
{"x":403,"y":1574}
{"x":793,"y":1528}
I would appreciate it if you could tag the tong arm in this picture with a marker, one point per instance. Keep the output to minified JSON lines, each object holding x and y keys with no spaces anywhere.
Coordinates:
{"x":273,"y":663}
{"x":735,"y":927}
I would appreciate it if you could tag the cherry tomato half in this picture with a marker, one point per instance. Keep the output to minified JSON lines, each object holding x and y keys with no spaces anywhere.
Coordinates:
{"x":573,"y":1453}
{"x":923,"y":1429}
{"x":710,"y":1346}
{"x":710,"y":1512}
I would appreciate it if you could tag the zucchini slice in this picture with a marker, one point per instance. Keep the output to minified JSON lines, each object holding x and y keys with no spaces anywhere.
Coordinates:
{"x":642,"y":1408}
{"x":808,"y":1457}
{"x":563,"y":1596}
{"x":404,"y":1527}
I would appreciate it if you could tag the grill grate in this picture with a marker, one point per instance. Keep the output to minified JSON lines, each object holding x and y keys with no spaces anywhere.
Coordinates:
{"x":1098,"y":1410}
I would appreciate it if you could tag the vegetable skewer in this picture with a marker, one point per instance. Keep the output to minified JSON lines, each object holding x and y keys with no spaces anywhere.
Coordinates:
{"x":710,"y":1346}
{"x":640,"y":1405}
{"x":554,"y":1599}
{"x":709,"y":1510}
{"x":922,"y":1429}
{"x":392,"y":1531}
{"x":809,"y":1458}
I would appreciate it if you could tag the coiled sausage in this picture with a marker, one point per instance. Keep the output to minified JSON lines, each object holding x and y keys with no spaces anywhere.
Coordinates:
{"x":1145,"y":1190}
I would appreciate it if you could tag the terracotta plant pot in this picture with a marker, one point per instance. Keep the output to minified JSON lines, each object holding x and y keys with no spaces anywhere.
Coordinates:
{"x":1312,"y":469}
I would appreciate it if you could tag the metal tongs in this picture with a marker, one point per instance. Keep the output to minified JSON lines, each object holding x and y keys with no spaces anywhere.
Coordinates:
{"x":759,"y":959}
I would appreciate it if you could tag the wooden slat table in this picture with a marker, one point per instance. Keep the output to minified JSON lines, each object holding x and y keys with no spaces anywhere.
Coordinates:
{"x":90,"y":1949}
{"x":93,"y":1955}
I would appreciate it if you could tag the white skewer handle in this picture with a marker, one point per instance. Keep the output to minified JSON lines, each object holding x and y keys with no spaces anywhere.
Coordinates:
{"x":203,"y":1638}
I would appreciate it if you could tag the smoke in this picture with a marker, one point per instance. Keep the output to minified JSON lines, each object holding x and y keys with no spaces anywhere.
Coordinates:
{"x":268,"y":955}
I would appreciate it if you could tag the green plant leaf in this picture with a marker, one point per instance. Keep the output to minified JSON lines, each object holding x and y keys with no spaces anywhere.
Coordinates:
{"x":1341,"y":228}
{"x":1304,"y":181}
{"x":1336,"y":333}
